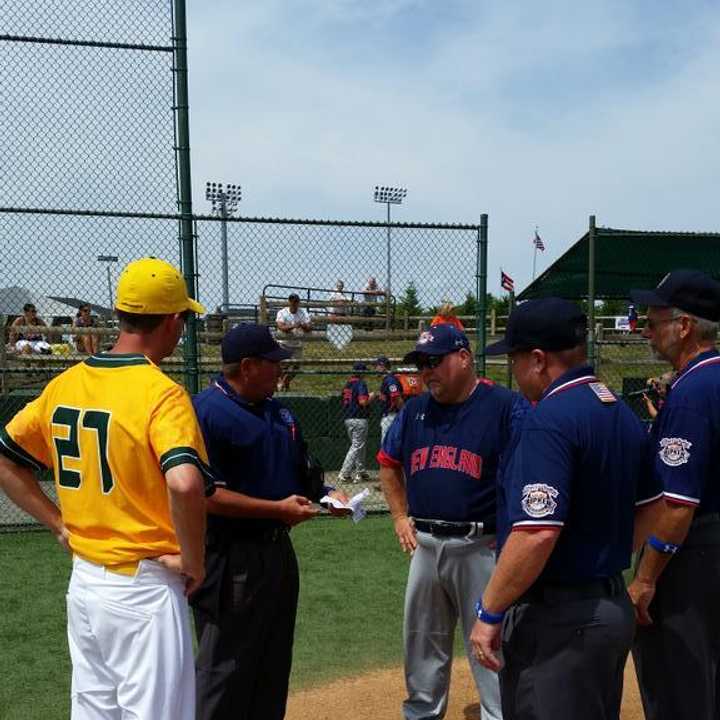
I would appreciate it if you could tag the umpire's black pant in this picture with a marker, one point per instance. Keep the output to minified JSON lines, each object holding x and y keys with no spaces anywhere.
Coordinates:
{"x":245,"y":642}
{"x":677,"y":658}
{"x":565,"y":650}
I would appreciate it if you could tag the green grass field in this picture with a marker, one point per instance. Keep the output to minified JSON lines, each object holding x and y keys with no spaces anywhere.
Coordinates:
{"x":349,"y":619}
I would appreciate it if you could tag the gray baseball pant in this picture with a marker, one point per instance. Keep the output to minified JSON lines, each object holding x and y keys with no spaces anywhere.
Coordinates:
{"x":447,"y":576}
{"x":357,"y":430}
{"x":385,"y":422}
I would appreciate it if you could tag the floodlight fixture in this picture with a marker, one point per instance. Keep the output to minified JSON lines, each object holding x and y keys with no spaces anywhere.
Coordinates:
{"x":389,"y":195}
{"x":392,"y":195}
{"x":224,"y":200}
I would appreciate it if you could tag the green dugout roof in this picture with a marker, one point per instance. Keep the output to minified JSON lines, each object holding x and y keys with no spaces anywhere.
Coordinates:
{"x":625,"y":259}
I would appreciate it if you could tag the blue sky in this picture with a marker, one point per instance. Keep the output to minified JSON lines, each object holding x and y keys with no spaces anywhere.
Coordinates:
{"x":536,"y":113}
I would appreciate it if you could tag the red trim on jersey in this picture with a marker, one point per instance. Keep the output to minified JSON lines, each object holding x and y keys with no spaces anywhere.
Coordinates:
{"x":532,"y":528}
{"x":386,"y":461}
{"x":678,"y":501}
{"x":362,"y":397}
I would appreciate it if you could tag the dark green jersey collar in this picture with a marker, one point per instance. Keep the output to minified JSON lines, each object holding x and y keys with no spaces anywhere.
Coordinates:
{"x":112,"y":360}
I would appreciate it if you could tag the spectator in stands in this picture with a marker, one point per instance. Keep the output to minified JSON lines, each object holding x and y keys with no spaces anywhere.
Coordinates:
{"x":355,"y":405}
{"x":446,"y":316}
{"x":371,"y":295}
{"x":85,"y":343}
{"x":390,"y":395}
{"x":293,"y":323}
{"x":28,"y":342}
{"x":339,"y":300}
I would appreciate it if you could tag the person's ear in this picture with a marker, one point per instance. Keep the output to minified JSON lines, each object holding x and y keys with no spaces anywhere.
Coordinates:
{"x":538,"y":360}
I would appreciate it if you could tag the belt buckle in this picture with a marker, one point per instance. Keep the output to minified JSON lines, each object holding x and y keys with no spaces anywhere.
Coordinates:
{"x":475,"y":529}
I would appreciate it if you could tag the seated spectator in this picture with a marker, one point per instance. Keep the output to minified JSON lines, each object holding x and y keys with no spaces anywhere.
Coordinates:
{"x":371,"y":296}
{"x":86,"y":343}
{"x":340,"y":300}
{"x":293,"y":322}
{"x":446,"y":316}
{"x":28,"y":342}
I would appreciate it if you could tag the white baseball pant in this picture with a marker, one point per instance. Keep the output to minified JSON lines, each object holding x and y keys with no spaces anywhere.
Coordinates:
{"x":130,"y":644}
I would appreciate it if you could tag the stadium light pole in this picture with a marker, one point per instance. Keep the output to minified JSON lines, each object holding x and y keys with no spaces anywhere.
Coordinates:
{"x":224,"y":201}
{"x":389,"y":196}
{"x":109,"y":259}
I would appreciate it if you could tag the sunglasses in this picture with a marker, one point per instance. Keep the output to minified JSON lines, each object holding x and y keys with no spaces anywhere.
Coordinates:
{"x":430,"y":361}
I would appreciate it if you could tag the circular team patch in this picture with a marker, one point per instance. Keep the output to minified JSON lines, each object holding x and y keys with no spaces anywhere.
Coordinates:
{"x":674,"y":451}
{"x":538,"y":500}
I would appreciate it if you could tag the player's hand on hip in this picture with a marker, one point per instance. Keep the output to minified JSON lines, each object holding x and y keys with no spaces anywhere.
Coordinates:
{"x":63,"y":537}
{"x":485,"y":640}
{"x":296,"y":509}
{"x":193,"y":576}
{"x":642,"y":594}
{"x":405,"y":531}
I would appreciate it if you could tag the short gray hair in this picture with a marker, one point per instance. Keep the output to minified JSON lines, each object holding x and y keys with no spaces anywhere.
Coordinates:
{"x":707,"y":330}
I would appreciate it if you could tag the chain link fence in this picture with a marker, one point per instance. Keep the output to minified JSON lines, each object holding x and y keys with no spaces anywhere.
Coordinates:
{"x":90,"y":182}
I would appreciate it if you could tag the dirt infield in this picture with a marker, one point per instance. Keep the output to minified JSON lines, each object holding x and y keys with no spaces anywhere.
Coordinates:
{"x":378,"y":695}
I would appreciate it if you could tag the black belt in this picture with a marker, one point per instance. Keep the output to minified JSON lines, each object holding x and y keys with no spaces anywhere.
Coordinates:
{"x":551,"y":592}
{"x":255,"y":533}
{"x":447,"y":528}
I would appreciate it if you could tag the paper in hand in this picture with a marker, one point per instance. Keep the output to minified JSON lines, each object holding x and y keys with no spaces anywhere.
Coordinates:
{"x":354,"y":504}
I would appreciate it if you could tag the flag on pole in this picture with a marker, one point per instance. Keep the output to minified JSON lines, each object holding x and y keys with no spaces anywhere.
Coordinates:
{"x":539,"y":244}
{"x":506,"y":282}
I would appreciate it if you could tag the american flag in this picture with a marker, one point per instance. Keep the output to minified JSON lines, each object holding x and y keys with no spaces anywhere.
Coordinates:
{"x":506,"y":282}
{"x":539,"y":244}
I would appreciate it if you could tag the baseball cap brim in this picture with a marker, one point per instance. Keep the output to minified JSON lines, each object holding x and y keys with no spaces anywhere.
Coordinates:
{"x":499,"y":348}
{"x":648,"y":297}
{"x":413,"y":355}
{"x":195,"y":307}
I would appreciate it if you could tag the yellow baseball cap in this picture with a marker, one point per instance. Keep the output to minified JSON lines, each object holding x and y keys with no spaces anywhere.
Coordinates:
{"x":151,"y":286}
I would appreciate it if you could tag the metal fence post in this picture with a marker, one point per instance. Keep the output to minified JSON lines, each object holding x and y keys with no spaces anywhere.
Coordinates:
{"x":190,"y":346}
{"x":481,"y":272}
{"x":591,"y":292}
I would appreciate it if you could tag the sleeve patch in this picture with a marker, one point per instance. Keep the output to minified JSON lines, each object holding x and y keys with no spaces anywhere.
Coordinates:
{"x":674,"y":451}
{"x":602,"y":392}
{"x":538,"y":500}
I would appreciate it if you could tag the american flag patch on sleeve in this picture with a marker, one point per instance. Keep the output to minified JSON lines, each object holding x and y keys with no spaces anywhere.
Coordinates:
{"x":601,"y":390}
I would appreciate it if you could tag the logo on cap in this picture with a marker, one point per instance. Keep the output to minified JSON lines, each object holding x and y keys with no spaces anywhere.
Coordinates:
{"x":425,"y":337}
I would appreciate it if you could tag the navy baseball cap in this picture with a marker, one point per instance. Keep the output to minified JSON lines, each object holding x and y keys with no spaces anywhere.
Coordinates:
{"x":248,"y":340}
{"x":690,"y":290}
{"x":438,"y":340}
{"x":359,"y":367}
{"x":382,"y":360}
{"x":550,"y":324}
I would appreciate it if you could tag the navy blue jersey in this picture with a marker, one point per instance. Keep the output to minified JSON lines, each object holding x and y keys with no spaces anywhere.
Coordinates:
{"x":685,"y":436}
{"x":390,"y":392}
{"x":450,"y":453}
{"x":580,"y":464}
{"x":253,"y":448}
{"x":355,"y":390}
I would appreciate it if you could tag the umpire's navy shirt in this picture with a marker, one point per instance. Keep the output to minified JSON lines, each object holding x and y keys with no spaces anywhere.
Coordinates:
{"x":253,"y":448}
{"x":685,"y":437}
{"x":355,"y":389}
{"x":450,"y":453}
{"x":580,"y":464}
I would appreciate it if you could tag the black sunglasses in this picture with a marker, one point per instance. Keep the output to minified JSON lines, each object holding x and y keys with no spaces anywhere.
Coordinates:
{"x":430,"y":361}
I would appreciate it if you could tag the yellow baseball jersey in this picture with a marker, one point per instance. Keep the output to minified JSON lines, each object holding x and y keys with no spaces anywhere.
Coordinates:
{"x":110,"y":427}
